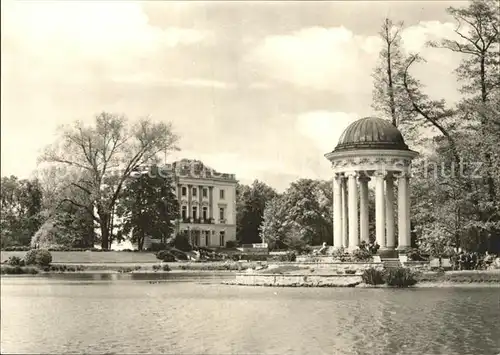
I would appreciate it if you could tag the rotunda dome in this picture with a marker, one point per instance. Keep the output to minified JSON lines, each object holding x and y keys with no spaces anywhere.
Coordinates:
{"x":371,"y":133}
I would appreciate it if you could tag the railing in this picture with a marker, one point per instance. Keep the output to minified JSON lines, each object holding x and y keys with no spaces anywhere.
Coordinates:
{"x":198,"y":220}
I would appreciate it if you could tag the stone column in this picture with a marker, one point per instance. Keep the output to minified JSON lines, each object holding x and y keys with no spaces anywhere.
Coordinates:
{"x":353,"y":211}
{"x":363,"y":209}
{"x":404,"y":212}
{"x":380,"y":209}
{"x":337,"y":211}
{"x":190,"y":197}
{"x":344,"y":213}
{"x":389,"y":212}
{"x":210,"y":202}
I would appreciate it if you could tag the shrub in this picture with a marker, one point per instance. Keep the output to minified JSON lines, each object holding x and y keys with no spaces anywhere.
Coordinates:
{"x":43,"y":257}
{"x":161,"y":254}
{"x":30,"y":257}
{"x":400,"y":277}
{"x":231,"y":244}
{"x":350,"y":272}
{"x":362,"y":255}
{"x":341,"y":255}
{"x":17,"y":248}
{"x":373,"y":276}
{"x":156,"y":267}
{"x":181,"y":241}
{"x":166,"y":267}
{"x":250,"y":257}
{"x":15,"y":261}
{"x":17,"y":270}
{"x":40,"y":257}
{"x":168,"y":257}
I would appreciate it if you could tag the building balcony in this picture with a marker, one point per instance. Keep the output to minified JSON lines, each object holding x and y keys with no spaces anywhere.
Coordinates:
{"x":198,"y":220}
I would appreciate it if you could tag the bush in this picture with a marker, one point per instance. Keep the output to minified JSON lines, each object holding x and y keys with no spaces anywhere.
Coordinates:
{"x":231,"y":244}
{"x":30,"y":257}
{"x":15,"y":261}
{"x":17,"y":270}
{"x":181,"y":242}
{"x":250,"y":257}
{"x":362,"y":255}
{"x":373,"y":276}
{"x":40,"y":257}
{"x":400,"y":277}
{"x":168,"y":257}
{"x":166,"y":267}
{"x":341,"y":255}
{"x":17,"y":248}
{"x":161,"y":254}
{"x":43,"y":257}
{"x":350,"y":272}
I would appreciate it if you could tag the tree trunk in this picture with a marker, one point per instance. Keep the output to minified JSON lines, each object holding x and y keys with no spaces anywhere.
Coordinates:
{"x":104,"y":224}
{"x":140,"y":241}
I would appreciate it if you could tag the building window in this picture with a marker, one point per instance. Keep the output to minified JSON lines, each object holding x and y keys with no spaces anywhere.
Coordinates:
{"x":207,"y":238}
{"x":205,"y":192}
{"x":183,"y":191}
{"x":205,"y":212}
{"x":195,"y":212}
{"x":221,"y":194}
{"x":222,"y":238}
{"x":195,"y":191}
{"x":184,"y":212}
{"x":221,"y":213}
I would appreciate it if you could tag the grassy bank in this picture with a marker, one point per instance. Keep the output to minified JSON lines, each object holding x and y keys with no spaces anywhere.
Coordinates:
{"x":472,"y":276}
{"x":130,"y":267}
{"x":90,"y":257}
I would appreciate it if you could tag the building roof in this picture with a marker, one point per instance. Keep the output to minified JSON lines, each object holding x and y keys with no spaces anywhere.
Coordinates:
{"x":371,"y":133}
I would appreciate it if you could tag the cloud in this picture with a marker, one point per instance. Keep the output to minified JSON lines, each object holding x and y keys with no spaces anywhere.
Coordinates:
{"x":336,"y":59}
{"x":324,"y":128}
{"x":69,"y":39}
{"x":149,"y":79}
{"x":316,"y":57}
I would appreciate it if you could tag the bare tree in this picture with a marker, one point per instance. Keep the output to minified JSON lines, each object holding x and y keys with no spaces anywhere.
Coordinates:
{"x":389,"y":97}
{"x":104,"y":154}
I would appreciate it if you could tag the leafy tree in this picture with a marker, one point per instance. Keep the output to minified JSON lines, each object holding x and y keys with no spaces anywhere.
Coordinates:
{"x":21,"y":204}
{"x":103,"y":155}
{"x":75,"y":226}
{"x":303,"y":211}
{"x":250,"y":204}
{"x":148,"y":207}
{"x":459,"y":201}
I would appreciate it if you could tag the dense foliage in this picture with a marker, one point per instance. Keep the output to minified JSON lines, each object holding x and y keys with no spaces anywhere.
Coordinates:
{"x":250,"y":204}
{"x":455,"y":188}
{"x":400,"y":277}
{"x":21,"y":207}
{"x":373,"y":276}
{"x":39,"y":257}
{"x":148,"y":207}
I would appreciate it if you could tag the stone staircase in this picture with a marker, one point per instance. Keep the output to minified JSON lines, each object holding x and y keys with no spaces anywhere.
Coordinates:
{"x":391,"y":263}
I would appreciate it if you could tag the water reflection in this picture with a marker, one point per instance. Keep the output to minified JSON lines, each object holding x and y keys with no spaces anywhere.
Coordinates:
{"x":169,"y":313}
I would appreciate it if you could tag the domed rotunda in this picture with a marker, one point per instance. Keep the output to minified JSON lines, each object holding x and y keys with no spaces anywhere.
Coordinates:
{"x":371,"y":148}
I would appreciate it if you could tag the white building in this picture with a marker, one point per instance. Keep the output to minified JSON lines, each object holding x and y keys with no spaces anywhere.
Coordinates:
{"x":207,"y":203}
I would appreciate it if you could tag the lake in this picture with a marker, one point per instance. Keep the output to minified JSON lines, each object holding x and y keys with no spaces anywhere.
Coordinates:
{"x":192,"y":314}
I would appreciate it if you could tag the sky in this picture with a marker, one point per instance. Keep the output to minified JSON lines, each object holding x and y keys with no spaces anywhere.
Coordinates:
{"x":259,"y":89}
